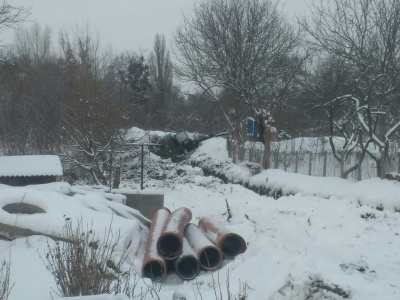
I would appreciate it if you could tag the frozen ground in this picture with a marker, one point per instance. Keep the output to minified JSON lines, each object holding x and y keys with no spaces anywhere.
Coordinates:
{"x":328,"y":239}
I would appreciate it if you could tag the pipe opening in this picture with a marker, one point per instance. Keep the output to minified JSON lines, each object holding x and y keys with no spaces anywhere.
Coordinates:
{"x":210,"y":258}
{"x":187,"y":267}
{"x":154,"y":270}
{"x":232,"y":246}
{"x":23,"y":208}
{"x":169,"y":246}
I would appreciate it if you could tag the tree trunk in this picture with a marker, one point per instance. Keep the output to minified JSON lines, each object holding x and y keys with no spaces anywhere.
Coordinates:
{"x":117,"y":178}
{"x":267,"y":135}
{"x":342,"y":161}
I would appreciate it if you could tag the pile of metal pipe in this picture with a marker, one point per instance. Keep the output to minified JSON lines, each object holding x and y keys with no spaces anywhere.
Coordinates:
{"x":154,"y":266}
{"x":209,"y":256}
{"x":187,"y":265}
{"x":173,"y":241}
{"x":169,"y":244}
{"x":230,"y":244}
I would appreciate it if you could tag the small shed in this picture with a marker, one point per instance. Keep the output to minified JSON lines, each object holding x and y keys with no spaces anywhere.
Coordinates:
{"x":23,"y":170}
{"x":252,"y":129}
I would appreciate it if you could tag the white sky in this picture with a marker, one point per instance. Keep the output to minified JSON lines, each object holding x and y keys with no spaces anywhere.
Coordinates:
{"x":123,"y":24}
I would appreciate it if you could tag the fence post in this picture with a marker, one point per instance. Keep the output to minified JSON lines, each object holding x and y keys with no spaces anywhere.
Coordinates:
{"x":398,"y":162}
{"x":276,"y":157}
{"x":325,"y":162}
{"x":234,"y":152}
{"x":359,"y":174}
{"x":296,"y":166}
{"x":383,"y":164}
{"x":284,"y":160}
{"x":309,"y":163}
{"x":141,"y":165}
{"x":341,"y":162}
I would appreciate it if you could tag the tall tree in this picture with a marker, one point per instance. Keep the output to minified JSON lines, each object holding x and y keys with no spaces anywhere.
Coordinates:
{"x":365,"y":34}
{"x":247,"y":50}
{"x":136,"y":75}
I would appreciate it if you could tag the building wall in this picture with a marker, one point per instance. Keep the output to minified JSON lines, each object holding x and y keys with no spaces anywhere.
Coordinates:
{"x":27,"y":180}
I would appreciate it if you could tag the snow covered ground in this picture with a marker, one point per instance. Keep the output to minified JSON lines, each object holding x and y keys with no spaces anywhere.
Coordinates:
{"x":327,"y":239}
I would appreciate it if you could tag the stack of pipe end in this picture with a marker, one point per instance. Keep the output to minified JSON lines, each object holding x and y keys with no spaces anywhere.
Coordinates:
{"x":186,"y":246}
{"x":170,"y":242}
{"x":209,"y":255}
{"x":230,"y":244}
{"x":154,"y":266}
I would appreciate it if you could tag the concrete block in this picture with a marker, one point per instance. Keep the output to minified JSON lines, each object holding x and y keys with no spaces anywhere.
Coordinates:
{"x":145,"y":202}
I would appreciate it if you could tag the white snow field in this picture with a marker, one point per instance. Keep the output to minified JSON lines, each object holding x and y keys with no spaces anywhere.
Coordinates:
{"x":327,"y":239}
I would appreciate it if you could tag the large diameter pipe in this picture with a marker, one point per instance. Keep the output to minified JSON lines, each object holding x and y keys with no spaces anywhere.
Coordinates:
{"x":154,"y":266}
{"x":230,"y":244}
{"x":169,"y":244}
{"x":187,"y":265}
{"x":208,"y":254}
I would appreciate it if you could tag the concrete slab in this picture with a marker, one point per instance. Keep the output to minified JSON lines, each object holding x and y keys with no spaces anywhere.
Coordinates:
{"x":147,"y":203}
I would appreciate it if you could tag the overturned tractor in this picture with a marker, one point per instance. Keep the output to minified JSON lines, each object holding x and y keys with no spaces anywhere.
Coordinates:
{"x":177,"y":146}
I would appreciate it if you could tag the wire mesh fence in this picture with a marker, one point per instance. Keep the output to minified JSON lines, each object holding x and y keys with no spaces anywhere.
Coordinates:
{"x":322,"y":162}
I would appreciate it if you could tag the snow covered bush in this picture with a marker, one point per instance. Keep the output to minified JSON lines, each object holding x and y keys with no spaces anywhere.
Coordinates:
{"x":5,"y":283}
{"x":241,"y":294}
{"x":88,"y":265}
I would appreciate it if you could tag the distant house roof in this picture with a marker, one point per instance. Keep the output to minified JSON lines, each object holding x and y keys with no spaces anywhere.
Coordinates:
{"x":30,"y":165}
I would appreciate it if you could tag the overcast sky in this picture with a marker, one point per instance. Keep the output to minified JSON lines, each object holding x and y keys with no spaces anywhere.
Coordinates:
{"x":124,"y":24}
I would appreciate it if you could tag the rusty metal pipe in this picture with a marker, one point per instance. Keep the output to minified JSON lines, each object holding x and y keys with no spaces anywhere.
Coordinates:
{"x":169,"y":244}
{"x":208,"y":254}
{"x":187,"y":265}
{"x":154,"y":266}
{"x":230,"y":244}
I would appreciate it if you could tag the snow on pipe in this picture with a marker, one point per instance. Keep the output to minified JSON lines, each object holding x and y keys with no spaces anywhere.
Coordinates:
{"x":187,"y":265}
{"x":230,"y":244}
{"x":154,"y":266}
{"x":208,"y":254}
{"x":169,"y":244}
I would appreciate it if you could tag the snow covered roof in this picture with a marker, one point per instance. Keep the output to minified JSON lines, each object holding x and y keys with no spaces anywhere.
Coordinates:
{"x":30,"y":165}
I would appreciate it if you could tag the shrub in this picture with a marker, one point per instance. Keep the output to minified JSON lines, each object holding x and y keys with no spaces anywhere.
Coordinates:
{"x":228,"y":295}
{"x":88,"y":265}
{"x":5,"y":283}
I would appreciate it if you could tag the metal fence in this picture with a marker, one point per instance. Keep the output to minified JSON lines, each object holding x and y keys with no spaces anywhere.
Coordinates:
{"x":322,"y":163}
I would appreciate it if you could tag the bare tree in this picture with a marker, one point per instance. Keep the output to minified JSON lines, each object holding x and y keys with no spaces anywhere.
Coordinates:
{"x":32,"y":44}
{"x":245,"y":49}
{"x":32,"y":103}
{"x":11,"y":15}
{"x":92,"y":135}
{"x":83,"y":54}
{"x":90,"y":120}
{"x":366,"y":35}
{"x":329,"y":79}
